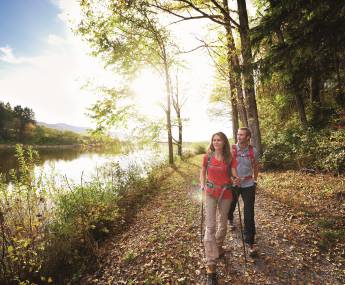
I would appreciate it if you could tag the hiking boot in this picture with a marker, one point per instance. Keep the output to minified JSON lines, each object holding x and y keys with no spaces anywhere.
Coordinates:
{"x":253,"y":251}
{"x":212,"y":278}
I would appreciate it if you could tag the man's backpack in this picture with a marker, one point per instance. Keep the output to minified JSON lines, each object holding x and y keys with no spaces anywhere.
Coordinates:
{"x":250,"y":154}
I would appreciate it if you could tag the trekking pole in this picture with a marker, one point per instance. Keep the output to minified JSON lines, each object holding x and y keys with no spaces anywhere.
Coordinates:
{"x":202,"y":220}
{"x":241,"y":228}
{"x":202,"y":215}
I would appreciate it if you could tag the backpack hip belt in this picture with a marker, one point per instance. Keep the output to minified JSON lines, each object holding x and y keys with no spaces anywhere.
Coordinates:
{"x":246,"y":177}
{"x":212,"y":185}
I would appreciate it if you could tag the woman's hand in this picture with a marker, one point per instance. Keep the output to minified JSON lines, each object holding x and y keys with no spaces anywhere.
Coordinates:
{"x":237,"y":181}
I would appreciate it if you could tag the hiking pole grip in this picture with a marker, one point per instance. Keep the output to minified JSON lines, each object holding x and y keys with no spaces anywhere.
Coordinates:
{"x":243,"y":243}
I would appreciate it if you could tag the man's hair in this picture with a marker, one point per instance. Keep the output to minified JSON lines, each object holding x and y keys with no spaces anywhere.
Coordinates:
{"x":248,"y":132}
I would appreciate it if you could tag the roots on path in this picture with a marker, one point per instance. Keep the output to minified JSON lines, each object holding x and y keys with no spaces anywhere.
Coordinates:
{"x":162,"y":244}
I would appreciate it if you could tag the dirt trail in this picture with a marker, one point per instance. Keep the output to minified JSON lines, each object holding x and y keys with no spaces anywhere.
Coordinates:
{"x":162,"y":245}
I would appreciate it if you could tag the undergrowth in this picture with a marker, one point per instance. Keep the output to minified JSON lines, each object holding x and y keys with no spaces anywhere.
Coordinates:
{"x":49,"y":232}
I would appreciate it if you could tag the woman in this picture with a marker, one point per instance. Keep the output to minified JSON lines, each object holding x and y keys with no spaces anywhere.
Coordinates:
{"x":215,"y":180}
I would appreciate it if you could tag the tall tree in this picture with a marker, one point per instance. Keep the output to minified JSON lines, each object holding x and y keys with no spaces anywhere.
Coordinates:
{"x":128,"y":36}
{"x":303,"y":43}
{"x":23,"y":117}
{"x":248,"y":75}
{"x":178,"y":102}
{"x":218,"y":12}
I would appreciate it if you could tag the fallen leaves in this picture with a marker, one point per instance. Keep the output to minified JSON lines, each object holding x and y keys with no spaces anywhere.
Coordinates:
{"x":162,"y":245}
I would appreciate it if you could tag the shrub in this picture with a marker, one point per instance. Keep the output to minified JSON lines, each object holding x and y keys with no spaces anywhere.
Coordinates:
{"x":51,"y":230}
{"x":22,"y":223}
{"x":200,"y":149}
{"x":295,"y":148}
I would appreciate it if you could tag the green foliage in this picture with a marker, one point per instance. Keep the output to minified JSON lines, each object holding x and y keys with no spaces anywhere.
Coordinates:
{"x":113,"y":109}
{"x":49,"y":231}
{"x":331,"y":237}
{"x":300,"y":48}
{"x":16,"y":124}
{"x":22,"y":222}
{"x":124,"y":36}
{"x":331,"y":150}
{"x":47,"y":136}
{"x":293,"y":147}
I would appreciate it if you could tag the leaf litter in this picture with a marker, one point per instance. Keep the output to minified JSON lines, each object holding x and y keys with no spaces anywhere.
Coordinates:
{"x":162,"y":243}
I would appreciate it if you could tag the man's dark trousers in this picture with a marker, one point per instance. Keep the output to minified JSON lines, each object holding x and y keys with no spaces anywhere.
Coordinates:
{"x":248,"y":197}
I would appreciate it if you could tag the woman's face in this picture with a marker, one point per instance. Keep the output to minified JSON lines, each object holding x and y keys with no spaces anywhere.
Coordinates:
{"x":217,"y":142}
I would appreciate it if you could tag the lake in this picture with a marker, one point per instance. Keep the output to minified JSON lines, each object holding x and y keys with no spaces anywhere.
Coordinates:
{"x":75,"y":163}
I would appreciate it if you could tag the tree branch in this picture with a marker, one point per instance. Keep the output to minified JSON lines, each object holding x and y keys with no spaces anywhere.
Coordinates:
{"x":201,"y":12}
{"x":190,"y":17}
{"x":226,"y":13}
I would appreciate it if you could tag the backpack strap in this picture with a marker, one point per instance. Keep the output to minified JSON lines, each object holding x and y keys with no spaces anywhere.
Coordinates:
{"x":251,"y":152}
{"x":252,"y":156}
{"x":209,"y":156}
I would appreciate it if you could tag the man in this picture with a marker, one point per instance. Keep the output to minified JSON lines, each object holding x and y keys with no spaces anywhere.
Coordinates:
{"x":245,"y":159}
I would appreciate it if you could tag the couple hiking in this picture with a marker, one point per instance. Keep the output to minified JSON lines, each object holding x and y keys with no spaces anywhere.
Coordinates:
{"x":227,"y":173}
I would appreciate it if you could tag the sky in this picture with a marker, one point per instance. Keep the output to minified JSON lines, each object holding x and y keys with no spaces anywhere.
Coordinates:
{"x":44,"y":66}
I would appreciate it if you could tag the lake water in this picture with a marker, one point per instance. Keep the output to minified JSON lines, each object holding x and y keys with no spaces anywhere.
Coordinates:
{"x":75,"y":163}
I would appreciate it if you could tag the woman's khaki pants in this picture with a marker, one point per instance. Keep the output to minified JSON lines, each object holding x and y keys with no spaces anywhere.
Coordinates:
{"x":215,"y":230}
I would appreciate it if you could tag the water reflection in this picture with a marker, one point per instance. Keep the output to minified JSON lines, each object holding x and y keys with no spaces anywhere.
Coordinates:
{"x":77,"y":163}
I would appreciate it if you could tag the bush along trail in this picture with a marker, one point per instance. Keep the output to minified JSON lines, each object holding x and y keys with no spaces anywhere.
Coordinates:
{"x":300,"y":235}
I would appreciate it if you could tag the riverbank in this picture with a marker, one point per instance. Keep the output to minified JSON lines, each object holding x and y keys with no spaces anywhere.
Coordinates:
{"x":57,"y":146}
{"x":50,"y":232}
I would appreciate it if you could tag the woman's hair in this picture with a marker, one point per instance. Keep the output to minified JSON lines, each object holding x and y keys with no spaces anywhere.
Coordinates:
{"x":226,"y":148}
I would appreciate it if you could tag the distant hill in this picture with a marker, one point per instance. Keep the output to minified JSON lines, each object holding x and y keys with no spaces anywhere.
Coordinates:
{"x":64,"y":127}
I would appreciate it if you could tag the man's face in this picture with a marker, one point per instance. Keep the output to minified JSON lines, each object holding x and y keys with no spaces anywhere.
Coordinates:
{"x":242,"y":137}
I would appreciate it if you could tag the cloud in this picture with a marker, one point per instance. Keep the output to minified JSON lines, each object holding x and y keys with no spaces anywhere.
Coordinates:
{"x":6,"y":55}
{"x":51,"y":83}
{"x":55,"y":40}
{"x":70,"y":11}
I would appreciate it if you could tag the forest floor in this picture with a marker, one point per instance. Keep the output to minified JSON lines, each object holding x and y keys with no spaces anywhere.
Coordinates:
{"x":300,"y":237}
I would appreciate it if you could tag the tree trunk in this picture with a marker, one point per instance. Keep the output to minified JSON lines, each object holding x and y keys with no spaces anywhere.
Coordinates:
{"x":177,"y":107}
{"x":179,"y":147}
{"x":301,"y":109}
{"x":168,"y":111}
{"x":234,"y":112}
{"x":315,"y":90}
{"x":339,"y":96}
{"x":237,"y":101}
{"x":253,"y":119}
